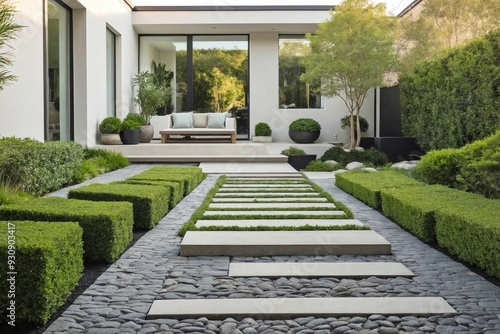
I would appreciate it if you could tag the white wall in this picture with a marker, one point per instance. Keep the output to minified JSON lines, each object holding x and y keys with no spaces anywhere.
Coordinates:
{"x":264,"y":97}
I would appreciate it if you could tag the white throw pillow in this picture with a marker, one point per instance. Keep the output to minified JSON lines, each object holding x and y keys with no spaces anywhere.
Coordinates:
{"x":200,"y":120}
{"x":182,"y":120}
{"x":216,"y":121}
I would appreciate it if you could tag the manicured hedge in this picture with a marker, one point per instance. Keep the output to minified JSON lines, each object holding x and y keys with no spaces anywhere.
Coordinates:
{"x":371,"y":156}
{"x":38,"y":168}
{"x":189,"y":177}
{"x":48,"y":263}
{"x":175,"y":188}
{"x":453,"y":101}
{"x":150,"y":202}
{"x":366,"y":186}
{"x":107,"y":226}
{"x":472,"y":232}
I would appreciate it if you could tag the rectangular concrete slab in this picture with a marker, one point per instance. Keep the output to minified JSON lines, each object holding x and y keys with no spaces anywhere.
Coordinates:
{"x":267,"y":194}
{"x":319,"y":269}
{"x":290,"y":206}
{"x":260,"y":176}
{"x":249,"y":168}
{"x":265,"y":185}
{"x":278,"y":222}
{"x":274,"y":213}
{"x":290,"y":308}
{"x":247,"y":189}
{"x":268,"y":200}
{"x":270,"y":243}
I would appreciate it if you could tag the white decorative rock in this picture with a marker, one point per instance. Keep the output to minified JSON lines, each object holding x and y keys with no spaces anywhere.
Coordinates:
{"x":369,"y":169}
{"x":359,"y":148}
{"x":339,"y":171}
{"x":331,"y":162}
{"x":355,"y":165}
{"x":404,"y":165}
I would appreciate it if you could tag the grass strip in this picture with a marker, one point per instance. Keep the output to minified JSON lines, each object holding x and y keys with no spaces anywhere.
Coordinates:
{"x":305,"y":227}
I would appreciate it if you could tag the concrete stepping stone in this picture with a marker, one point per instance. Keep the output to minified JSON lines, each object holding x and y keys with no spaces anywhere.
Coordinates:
{"x":261,"y":176}
{"x":319,"y":269}
{"x":267,"y":194}
{"x":268,"y":199}
{"x":290,"y":206}
{"x":291,"y":308}
{"x":266,"y":185}
{"x":278,"y":222}
{"x":271,"y":243}
{"x":304,"y":213}
{"x":247,"y":189}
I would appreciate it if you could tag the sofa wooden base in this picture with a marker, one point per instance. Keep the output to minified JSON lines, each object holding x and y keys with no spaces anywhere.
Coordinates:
{"x":198,"y":135}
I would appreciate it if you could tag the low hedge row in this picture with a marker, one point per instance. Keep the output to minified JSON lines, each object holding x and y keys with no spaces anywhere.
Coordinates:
{"x":107,"y":226}
{"x":48,"y":263}
{"x":189,"y":177}
{"x":150,"y":203}
{"x":366,"y":186}
{"x":38,"y":168}
{"x":175,"y":188}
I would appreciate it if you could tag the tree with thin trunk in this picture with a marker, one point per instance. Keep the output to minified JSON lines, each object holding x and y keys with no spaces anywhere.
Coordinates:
{"x":350,"y":53}
{"x":8,"y":30}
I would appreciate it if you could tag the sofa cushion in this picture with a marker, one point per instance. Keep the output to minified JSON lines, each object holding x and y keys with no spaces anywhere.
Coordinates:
{"x":200,"y":120}
{"x":216,"y":121}
{"x":182,"y":120}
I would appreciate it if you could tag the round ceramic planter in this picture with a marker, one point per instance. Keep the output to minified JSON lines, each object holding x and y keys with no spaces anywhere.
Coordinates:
{"x":147,"y":132}
{"x":110,"y":139}
{"x":303,"y":137}
{"x":130,"y":137}
{"x":300,"y":161}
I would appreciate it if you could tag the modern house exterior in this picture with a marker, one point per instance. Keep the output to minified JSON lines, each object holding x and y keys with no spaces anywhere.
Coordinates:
{"x":75,"y":60}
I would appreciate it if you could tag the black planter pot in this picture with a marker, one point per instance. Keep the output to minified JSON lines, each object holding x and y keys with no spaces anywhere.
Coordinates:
{"x":130,"y":137}
{"x":300,"y":161}
{"x":303,"y":137}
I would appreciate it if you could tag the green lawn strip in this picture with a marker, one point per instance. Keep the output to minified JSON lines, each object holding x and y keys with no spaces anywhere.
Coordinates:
{"x":150,"y":202}
{"x":222,"y":195}
{"x":176,"y":190}
{"x":305,"y":227}
{"x":276,"y":216}
{"x":230,"y":182}
{"x":48,"y":262}
{"x":366,"y":186}
{"x":338,"y":205}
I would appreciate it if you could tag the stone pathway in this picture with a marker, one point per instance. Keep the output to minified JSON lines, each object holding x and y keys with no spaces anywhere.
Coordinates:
{"x":152,"y":269}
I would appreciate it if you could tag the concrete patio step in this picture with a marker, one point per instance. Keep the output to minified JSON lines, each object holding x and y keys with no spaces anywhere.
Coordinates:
{"x":271,"y":243}
{"x":207,"y":158}
{"x":268,"y":200}
{"x":267,"y":194}
{"x":260,"y":176}
{"x":319,"y":269}
{"x":290,"y":206}
{"x":278,"y":222}
{"x":291,"y":308}
{"x":284,"y":213}
{"x":250,"y":189}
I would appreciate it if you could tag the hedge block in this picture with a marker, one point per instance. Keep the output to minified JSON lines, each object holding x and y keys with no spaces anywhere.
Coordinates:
{"x":48,"y":262}
{"x":150,"y":202}
{"x":472,"y":232}
{"x":366,"y":186}
{"x":189,"y":177}
{"x":107,"y":226}
{"x":176,"y":191}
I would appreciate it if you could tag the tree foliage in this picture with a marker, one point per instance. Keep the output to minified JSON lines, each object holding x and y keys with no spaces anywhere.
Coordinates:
{"x":350,"y":53}
{"x":8,"y":30}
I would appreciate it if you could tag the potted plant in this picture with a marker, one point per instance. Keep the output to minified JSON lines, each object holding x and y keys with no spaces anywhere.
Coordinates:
{"x":304,"y":130}
{"x":149,"y":97}
{"x":110,"y":129}
{"x":163,"y":78}
{"x":263,"y":133}
{"x":297,"y":157}
{"x":147,"y":132}
{"x":130,"y":133}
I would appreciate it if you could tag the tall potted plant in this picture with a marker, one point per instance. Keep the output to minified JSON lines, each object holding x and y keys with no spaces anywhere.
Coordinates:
{"x":149,"y":97}
{"x":304,"y":130}
{"x":163,"y":78}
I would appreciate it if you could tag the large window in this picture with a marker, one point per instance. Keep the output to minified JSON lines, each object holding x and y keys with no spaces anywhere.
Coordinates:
{"x":294,"y":93}
{"x":110,"y":73}
{"x":58,"y":113}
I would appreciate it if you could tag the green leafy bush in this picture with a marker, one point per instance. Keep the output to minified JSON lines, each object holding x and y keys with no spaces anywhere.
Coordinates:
{"x":371,"y":156}
{"x":292,"y":150}
{"x":129,"y":124}
{"x":345,"y":122}
{"x":320,"y":166}
{"x":107,"y":226}
{"x":136,"y":118}
{"x":38,"y":168}
{"x":110,"y":125}
{"x":305,"y":125}
{"x":175,"y":188}
{"x":150,"y":202}
{"x":11,"y":195}
{"x":263,"y":129}
{"x":366,"y":186}
{"x":474,"y":167}
{"x":453,"y":101}
{"x":48,"y":262}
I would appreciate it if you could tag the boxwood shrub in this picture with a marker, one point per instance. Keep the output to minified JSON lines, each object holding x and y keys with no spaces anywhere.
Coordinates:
{"x":107,"y":226}
{"x":175,"y":188}
{"x":38,"y":168}
{"x":189,"y":177}
{"x":471,"y":231}
{"x":48,"y":262}
{"x":366,"y":186}
{"x":371,"y":156}
{"x":150,"y":202}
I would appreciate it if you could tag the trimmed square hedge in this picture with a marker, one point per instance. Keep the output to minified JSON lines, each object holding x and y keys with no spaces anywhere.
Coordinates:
{"x":175,"y":188}
{"x":189,"y":177}
{"x":366,"y":186}
{"x":107,"y":226}
{"x":48,"y":263}
{"x":150,"y":202}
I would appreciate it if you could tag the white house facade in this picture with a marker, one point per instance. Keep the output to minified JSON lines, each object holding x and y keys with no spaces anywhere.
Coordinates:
{"x":75,"y":60}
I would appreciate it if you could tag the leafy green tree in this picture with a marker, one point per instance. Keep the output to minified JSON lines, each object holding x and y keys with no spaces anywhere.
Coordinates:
{"x":350,"y":53}
{"x":227,"y":91}
{"x":8,"y":30}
